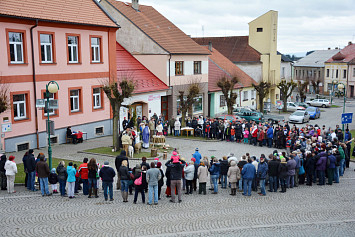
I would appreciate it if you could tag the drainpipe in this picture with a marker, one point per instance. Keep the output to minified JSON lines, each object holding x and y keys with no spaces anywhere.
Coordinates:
{"x":34,"y":80}
{"x":169,"y":68}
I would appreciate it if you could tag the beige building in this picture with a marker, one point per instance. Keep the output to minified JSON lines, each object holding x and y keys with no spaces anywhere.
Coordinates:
{"x":255,"y":54}
{"x":263,"y":38}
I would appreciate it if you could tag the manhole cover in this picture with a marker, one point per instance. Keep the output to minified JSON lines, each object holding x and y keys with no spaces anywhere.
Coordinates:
{"x":212,"y":150}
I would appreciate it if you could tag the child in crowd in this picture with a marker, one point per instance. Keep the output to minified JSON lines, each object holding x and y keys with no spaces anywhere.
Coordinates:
{"x":246,"y":135}
{"x":53,"y":180}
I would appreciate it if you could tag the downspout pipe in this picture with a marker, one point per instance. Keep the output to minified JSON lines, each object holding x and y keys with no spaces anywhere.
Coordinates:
{"x":169,"y":68}
{"x":34,"y":81}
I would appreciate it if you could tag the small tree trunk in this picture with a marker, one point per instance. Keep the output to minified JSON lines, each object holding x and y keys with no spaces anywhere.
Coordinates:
{"x":261,"y":102}
{"x":116,"y":119}
{"x":183,"y":116}
{"x":284,"y":100}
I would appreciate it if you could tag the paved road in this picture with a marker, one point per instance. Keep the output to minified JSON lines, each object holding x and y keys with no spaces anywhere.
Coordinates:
{"x":302,"y":211}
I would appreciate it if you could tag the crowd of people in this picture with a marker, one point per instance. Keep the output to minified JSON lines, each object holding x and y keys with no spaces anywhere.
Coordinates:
{"x":312,"y":155}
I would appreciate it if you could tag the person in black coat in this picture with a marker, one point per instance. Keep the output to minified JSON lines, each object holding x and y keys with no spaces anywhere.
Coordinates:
{"x":107,"y":174}
{"x":3,"y":178}
{"x":140,"y":188}
{"x":273,"y":174}
{"x":31,"y":169}
{"x":310,"y":165}
{"x":161,"y":180}
{"x":224,"y":170}
{"x":282,"y":173}
{"x":118,"y":163}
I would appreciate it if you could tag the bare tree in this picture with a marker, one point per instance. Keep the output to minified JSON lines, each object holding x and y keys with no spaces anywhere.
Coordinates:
{"x":116,"y":92}
{"x":315,"y":85}
{"x":4,"y":97}
{"x":263,"y":90}
{"x":187,"y":100}
{"x":302,"y":88}
{"x":286,"y":89}
{"x":227,"y":87}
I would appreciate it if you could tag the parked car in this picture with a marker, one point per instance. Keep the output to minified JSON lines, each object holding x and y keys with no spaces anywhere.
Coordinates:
{"x":293,"y":107}
{"x":242,"y":109}
{"x":302,"y":104}
{"x":230,"y":117}
{"x":313,"y":112}
{"x":300,"y":116}
{"x":319,"y":102}
{"x":274,"y":119}
{"x":251,"y":116}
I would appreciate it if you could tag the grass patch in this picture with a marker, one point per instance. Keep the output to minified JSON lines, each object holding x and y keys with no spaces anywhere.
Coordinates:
{"x":190,"y":137}
{"x":108,"y":151}
{"x":20,"y":176}
{"x":334,"y":106}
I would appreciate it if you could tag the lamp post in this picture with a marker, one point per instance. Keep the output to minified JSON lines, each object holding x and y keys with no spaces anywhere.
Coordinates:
{"x":341,"y":86}
{"x":51,"y":88}
{"x":334,"y":82}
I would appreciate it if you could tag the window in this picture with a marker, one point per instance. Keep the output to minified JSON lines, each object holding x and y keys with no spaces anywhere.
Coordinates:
{"x":259,"y":29}
{"x":245,"y":95}
{"x":196,"y":108}
{"x":329,"y":86}
{"x":95,"y":49}
{"x":318,"y":74}
{"x":74,"y":100}
{"x":16,"y":47}
{"x":19,"y":103}
{"x":344,"y":73}
{"x":252,"y":95}
{"x":296,"y":73}
{"x":353,"y":72}
{"x":336,"y":73}
{"x":283,"y":72}
{"x":73,"y":49}
{"x":327,"y":72}
{"x":23,"y":147}
{"x":197,"y":67}
{"x":222,"y":101}
{"x":99,"y":131}
{"x":179,"y":68}
{"x":46,"y":110}
{"x":97,"y":98}
{"x":46,"y":48}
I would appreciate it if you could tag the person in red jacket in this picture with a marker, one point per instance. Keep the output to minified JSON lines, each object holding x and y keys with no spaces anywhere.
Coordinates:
{"x":261,"y":136}
{"x":254,"y":135}
{"x":83,"y":172}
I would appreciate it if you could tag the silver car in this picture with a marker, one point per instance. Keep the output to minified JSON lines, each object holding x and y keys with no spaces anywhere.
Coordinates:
{"x":319,"y":102}
{"x":299,"y":116}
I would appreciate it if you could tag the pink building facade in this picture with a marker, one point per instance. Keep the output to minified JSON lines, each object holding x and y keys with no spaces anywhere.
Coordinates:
{"x":80,"y":57}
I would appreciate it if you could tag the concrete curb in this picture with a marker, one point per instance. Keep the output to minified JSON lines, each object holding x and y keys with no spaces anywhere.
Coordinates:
{"x":107,"y":155}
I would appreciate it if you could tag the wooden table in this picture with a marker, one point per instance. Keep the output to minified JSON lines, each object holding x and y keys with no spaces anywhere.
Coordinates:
{"x":187,"y":130}
{"x":159,"y":140}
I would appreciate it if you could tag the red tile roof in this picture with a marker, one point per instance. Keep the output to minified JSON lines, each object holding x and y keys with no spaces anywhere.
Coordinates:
{"x":129,"y":66}
{"x":86,"y":12}
{"x":345,"y":55}
{"x":235,"y":48}
{"x":220,"y":66}
{"x":159,"y":28}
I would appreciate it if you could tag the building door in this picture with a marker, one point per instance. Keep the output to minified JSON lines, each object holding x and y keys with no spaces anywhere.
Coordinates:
{"x":164,"y":107}
{"x":351,"y":91}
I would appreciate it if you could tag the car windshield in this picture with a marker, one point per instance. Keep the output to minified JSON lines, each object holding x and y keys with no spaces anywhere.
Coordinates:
{"x":311,"y":109}
{"x":298,"y":113}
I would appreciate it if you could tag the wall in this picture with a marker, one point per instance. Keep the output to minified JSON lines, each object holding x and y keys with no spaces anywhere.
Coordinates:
{"x":156,"y":64}
{"x":131,"y":37}
{"x":332,"y":74}
{"x":254,"y":70}
{"x":287,"y":69}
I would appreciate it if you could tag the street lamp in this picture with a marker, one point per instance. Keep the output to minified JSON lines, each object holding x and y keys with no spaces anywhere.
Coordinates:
{"x":341,"y":86}
{"x":334,"y":82}
{"x":51,"y":88}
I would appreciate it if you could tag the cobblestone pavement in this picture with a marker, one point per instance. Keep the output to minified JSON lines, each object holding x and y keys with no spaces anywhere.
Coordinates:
{"x":302,"y":211}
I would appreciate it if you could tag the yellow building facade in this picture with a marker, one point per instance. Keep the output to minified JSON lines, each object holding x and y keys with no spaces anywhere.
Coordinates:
{"x":263,"y":38}
{"x":334,"y":72}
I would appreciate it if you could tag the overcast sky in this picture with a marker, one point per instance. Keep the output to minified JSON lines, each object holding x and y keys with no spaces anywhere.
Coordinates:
{"x":303,"y":25}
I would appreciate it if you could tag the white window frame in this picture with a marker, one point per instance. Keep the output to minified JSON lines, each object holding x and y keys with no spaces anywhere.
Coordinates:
{"x":245,"y":95}
{"x":46,"y":53}
{"x":18,"y":107}
{"x":222,"y":98}
{"x":52,"y":111}
{"x":75,"y":101}
{"x":17,"y":46}
{"x":95,"y":96}
{"x":199,"y":67}
{"x":353,"y":72}
{"x":252,"y":95}
{"x":95,"y":55}
{"x":73,"y":48}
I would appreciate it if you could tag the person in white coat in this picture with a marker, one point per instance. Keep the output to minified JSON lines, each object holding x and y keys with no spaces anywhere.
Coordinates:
{"x":11,"y":171}
{"x":177,"y":126}
{"x":189,"y":172}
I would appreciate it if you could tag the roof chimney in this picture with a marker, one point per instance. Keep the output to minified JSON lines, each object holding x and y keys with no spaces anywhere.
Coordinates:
{"x":350,"y":43}
{"x":135,"y":5}
{"x":328,"y":48}
{"x":210,"y":46}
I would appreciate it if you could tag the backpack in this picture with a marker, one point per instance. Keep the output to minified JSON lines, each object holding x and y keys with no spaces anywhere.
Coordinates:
{"x":138,"y":181}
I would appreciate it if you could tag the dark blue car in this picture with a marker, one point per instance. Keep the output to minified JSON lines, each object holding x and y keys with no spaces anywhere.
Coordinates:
{"x":313,"y":112}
